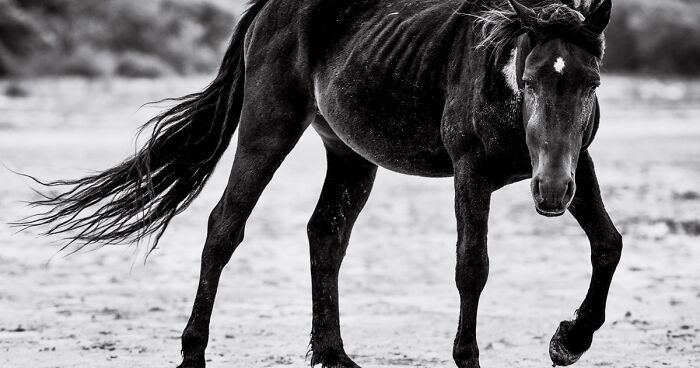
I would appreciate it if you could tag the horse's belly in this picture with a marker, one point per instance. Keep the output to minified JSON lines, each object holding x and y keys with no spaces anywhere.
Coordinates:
{"x":387,"y":138}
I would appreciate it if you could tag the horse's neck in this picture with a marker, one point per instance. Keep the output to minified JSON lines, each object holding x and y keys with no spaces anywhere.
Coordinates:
{"x":491,"y":75}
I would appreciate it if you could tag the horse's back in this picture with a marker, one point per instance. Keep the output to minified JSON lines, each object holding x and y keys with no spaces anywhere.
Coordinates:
{"x":375,"y":71}
{"x":378,"y":74}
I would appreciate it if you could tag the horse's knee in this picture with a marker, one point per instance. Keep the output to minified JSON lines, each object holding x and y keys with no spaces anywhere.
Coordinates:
{"x":608,"y":251}
{"x":616,"y":245}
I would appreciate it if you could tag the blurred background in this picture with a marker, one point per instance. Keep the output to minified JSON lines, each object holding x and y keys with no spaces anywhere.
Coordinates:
{"x":134,"y":38}
{"x":98,"y":38}
{"x":74,"y":75}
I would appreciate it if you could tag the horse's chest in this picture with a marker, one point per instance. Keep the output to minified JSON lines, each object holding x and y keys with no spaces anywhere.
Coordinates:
{"x":509,"y":160}
{"x":504,"y":140}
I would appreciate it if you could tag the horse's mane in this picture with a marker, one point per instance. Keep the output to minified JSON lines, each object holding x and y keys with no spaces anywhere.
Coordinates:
{"x":499,"y":24}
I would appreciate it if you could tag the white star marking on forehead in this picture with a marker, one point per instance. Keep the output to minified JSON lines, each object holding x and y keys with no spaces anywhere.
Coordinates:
{"x":559,"y":65}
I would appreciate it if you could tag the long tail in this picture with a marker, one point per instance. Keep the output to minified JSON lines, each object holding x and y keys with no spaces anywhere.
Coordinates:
{"x":139,"y":197}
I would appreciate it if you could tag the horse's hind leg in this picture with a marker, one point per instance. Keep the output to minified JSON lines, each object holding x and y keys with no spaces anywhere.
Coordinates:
{"x":573,"y":338}
{"x":349,"y":179}
{"x":272,"y":120}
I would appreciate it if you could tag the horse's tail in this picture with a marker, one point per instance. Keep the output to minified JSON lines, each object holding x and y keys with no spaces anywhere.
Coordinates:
{"x":139,"y":197}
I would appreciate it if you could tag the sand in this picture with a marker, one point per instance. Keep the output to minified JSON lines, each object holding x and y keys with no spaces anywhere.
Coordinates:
{"x":399,"y":305}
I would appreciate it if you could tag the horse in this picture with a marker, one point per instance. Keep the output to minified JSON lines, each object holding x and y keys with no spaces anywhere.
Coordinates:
{"x":489,"y":92}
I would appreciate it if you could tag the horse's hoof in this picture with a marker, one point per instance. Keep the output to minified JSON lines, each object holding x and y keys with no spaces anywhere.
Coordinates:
{"x":332,"y":359}
{"x":190,"y":363}
{"x":558,"y":352}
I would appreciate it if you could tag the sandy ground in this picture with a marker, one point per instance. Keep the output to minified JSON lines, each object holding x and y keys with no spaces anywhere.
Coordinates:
{"x":399,"y":305}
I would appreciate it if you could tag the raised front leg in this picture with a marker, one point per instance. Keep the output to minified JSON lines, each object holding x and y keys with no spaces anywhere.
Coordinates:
{"x":349,"y":180}
{"x":473,"y":197}
{"x":573,"y":338}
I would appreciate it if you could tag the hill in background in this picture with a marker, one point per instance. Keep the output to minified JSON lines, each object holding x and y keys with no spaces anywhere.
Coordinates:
{"x":654,"y":37}
{"x":113,"y":37}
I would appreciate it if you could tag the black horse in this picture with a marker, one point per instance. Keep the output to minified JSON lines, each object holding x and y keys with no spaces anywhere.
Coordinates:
{"x":490,"y":92}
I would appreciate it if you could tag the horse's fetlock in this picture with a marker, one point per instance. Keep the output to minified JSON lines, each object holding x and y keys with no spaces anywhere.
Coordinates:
{"x":465,"y":360}
{"x":192,"y":338}
{"x":465,"y":351}
{"x":591,"y":322}
{"x":598,"y":322}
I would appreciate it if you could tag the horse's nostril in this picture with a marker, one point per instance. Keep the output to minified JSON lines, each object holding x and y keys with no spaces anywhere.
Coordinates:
{"x":570,"y":189}
{"x":536,"y":190}
{"x":552,"y":194}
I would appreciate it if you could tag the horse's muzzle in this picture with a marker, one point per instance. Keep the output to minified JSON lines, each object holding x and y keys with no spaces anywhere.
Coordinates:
{"x":552,"y":195}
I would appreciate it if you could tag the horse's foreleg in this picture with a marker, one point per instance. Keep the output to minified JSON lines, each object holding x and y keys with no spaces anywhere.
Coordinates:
{"x":349,"y":179}
{"x":573,"y":338}
{"x":268,"y":130}
{"x":473,"y":197}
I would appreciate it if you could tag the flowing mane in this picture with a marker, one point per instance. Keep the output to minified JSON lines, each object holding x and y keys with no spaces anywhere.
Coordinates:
{"x":500,"y":24}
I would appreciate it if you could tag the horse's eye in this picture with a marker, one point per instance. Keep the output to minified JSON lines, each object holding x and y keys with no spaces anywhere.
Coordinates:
{"x":528,"y":84}
{"x":593,"y":86}
{"x":591,"y":89}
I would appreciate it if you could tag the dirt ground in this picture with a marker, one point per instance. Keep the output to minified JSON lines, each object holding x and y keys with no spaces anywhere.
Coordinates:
{"x":107,"y":308}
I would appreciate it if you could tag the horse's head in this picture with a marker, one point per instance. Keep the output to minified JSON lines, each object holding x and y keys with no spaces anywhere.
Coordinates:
{"x":558,"y":70}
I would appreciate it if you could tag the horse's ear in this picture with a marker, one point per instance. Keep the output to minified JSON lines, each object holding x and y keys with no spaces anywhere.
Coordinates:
{"x":599,"y":18}
{"x":523,"y":50}
{"x":528,"y":18}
